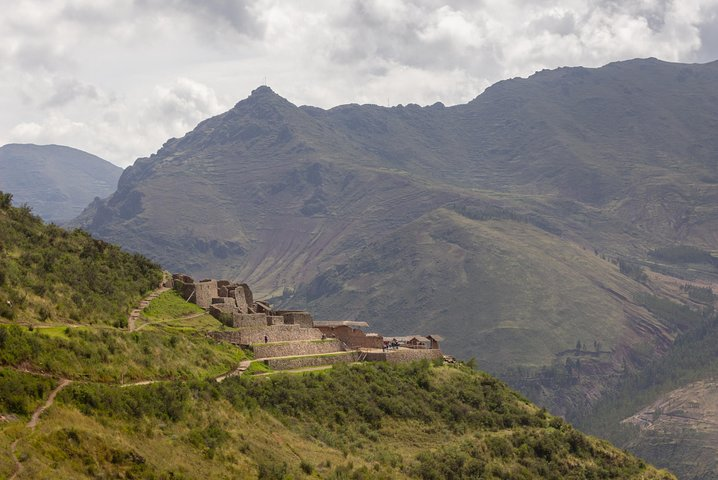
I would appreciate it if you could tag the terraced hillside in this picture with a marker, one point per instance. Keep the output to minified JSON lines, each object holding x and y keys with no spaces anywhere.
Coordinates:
{"x":84,"y":399}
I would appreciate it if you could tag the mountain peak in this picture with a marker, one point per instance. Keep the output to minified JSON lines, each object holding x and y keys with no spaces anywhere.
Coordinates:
{"x":263,"y":96}
{"x":262,"y":90}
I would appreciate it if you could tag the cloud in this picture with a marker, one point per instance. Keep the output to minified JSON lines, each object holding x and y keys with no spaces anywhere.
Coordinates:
{"x":67,"y":90}
{"x":182,"y":105}
{"x":119,"y":77}
{"x":124,"y":127}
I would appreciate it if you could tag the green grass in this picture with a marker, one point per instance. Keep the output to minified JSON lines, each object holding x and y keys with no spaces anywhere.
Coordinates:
{"x":117,"y":356}
{"x":257,"y":367}
{"x":203,"y":323}
{"x":375,"y":421}
{"x":169,"y":305}
{"x":57,"y":331}
{"x":48,"y":274}
{"x":21,"y":393}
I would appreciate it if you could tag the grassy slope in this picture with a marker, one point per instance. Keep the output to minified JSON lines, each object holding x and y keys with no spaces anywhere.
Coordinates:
{"x":349,"y":422}
{"x":48,"y":274}
{"x":364,"y":421}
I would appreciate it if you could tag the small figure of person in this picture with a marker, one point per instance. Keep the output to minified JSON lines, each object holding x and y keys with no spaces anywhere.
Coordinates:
{"x":266,"y":339}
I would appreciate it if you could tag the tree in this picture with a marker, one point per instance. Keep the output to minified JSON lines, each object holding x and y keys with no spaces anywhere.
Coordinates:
{"x":5,"y":200}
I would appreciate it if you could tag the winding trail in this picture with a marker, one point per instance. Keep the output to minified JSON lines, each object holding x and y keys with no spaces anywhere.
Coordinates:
{"x":144,"y":303}
{"x":33,"y":422}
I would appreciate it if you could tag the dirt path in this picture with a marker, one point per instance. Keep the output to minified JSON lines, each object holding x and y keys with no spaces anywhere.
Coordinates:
{"x":136,"y":384}
{"x":33,"y":422}
{"x":243,"y":365}
{"x":18,"y":465}
{"x":144,"y":303}
{"x":50,"y":400}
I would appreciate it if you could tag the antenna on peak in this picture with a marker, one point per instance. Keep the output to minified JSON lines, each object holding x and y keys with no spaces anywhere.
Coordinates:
{"x":265,"y":80}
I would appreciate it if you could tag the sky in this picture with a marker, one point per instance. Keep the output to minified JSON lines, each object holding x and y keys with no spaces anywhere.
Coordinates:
{"x":117,"y":78}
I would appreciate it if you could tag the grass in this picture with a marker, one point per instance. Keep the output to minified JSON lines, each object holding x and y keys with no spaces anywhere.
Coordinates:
{"x":257,"y":367}
{"x":168,"y":306}
{"x":117,"y":356}
{"x":48,"y":274}
{"x":58,"y":331}
{"x":365,"y":421}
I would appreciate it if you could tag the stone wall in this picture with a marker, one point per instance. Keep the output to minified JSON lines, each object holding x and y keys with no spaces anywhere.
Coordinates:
{"x":230,"y":337}
{"x":185,"y":290}
{"x":275,"y":320}
{"x":403,"y":355}
{"x":204,"y":292}
{"x":294,"y":317}
{"x":248,"y":320}
{"x":306,"y":362}
{"x":313,"y":347}
{"x":278,"y":333}
{"x":352,"y":337}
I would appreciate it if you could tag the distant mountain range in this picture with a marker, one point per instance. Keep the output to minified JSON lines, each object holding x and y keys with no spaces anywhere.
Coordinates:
{"x":57,"y":182}
{"x":518,"y":225}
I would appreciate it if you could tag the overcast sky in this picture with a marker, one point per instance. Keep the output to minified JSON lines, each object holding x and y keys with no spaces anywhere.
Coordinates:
{"x":119,"y":77}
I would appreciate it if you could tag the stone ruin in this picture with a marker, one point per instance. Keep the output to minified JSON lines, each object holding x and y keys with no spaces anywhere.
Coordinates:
{"x":233,"y":304}
{"x":286,"y":339}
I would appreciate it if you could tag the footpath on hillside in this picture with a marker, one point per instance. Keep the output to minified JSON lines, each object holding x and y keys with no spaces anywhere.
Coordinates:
{"x":33,"y":422}
{"x":144,"y":303}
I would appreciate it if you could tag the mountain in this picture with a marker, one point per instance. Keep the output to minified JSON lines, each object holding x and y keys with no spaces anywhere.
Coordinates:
{"x":57,"y":182}
{"x":519,"y":225}
{"x":81,"y":398}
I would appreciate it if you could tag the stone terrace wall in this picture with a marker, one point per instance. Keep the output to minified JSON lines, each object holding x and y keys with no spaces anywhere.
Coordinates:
{"x":296,"y":317}
{"x":297,"y":348}
{"x":403,"y":355}
{"x":353,"y":337}
{"x":230,"y":337}
{"x":278,"y":333}
{"x":247,"y":320}
{"x":305,"y":362}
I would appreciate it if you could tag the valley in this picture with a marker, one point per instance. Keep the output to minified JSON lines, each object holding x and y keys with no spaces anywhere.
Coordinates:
{"x":559,"y":229}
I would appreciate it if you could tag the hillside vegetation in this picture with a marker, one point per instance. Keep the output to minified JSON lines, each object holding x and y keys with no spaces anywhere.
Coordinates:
{"x":364,"y":421}
{"x":48,"y":274}
{"x":146,"y":403}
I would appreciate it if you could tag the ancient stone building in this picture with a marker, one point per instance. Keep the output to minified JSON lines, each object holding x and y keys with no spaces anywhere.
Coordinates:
{"x":285,"y":339}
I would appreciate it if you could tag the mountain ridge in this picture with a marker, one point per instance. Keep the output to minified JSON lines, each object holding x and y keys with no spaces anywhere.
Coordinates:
{"x":411,"y":215}
{"x":57,"y":181}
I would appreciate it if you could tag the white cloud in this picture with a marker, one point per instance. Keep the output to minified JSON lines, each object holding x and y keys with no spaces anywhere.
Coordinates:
{"x":119,"y":77}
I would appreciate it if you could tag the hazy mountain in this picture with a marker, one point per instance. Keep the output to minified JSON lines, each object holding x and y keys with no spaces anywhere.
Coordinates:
{"x":57,"y":182}
{"x":498,"y":223}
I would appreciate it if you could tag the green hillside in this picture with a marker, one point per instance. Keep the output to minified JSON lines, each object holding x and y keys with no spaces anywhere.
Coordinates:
{"x":365,"y":421}
{"x":81,"y":398}
{"x":48,"y":274}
